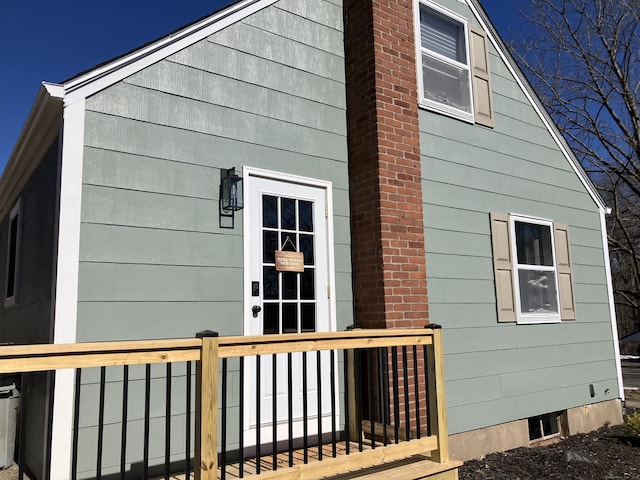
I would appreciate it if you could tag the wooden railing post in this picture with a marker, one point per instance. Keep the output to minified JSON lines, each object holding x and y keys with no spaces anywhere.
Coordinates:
{"x":437,"y":399}
{"x":206,"y":424}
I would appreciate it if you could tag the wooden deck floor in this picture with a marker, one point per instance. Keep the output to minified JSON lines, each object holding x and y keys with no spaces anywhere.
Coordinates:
{"x":232,"y":471}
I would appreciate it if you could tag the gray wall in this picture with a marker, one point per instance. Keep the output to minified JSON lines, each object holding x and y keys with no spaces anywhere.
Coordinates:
{"x":496,"y":373}
{"x":29,"y":319}
{"x":266,"y":92}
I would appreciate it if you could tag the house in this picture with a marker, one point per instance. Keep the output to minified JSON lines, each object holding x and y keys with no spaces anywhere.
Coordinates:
{"x":395,"y":144}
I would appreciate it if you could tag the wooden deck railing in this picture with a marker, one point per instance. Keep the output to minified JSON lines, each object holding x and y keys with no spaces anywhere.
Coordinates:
{"x":384,"y":399}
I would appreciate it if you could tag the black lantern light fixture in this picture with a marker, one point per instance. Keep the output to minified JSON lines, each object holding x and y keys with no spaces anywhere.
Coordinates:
{"x":230,"y":195}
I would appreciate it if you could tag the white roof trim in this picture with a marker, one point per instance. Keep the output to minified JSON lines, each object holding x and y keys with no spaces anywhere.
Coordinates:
{"x":106,"y":75}
{"x":542,"y":113}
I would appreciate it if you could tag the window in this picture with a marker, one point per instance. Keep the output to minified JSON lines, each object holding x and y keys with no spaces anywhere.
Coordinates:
{"x":454,"y":72}
{"x":544,"y":426}
{"x":532,"y":269}
{"x":13,"y":255}
{"x":446,"y":80}
{"x":535,"y":271}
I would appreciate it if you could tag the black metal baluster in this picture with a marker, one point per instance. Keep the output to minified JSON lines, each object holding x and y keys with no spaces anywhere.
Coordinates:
{"x":425,"y":358}
{"x":359,"y":395}
{"x":290,"y":406}
{"x":274,"y":412}
{"x":147,"y":411}
{"x":385,"y":400}
{"x":332,"y":374}
{"x":396,"y":396}
{"x":347,"y":434}
{"x":125,"y":415}
{"x":319,"y":380}
{"x":305,"y":410}
{"x":416,"y":389}
{"x":370,"y":381}
{"x":258,"y":423}
{"x":76,"y":428}
{"x":167,"y":425}
{"x":405,"y":380}
{"x":223,"y":424}
{"x":187,"y":447}
{"x":103,"y":373}
{"x":241,"y":419}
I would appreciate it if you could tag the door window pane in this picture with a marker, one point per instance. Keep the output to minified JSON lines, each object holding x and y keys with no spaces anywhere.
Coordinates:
{"x":305,"y":216}
{"x":271,"y":319}
{"x":288,"y":207}
{"x":269,"y":246}
{"x":269,"y":211}
{"x":289,"y":285}
{"x":307,"y":284}
{"x":288,"y":242}
{"x":289,"y":318}
{"x":306,"y":247}
{"x":270,"y":279}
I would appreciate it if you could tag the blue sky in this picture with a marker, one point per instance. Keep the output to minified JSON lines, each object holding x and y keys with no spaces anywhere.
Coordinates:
{"x":54,"y":40}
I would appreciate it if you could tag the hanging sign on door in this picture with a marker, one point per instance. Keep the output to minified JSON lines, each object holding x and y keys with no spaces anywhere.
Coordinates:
{"x":289,"y":261}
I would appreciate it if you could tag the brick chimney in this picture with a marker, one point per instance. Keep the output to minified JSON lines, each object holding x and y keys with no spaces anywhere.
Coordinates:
{"x":388,"y":253}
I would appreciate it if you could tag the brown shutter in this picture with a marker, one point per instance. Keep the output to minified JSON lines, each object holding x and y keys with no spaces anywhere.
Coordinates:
{"x":565,"y":274}
{"x":503,"y":267}
{"x":483,"y":105}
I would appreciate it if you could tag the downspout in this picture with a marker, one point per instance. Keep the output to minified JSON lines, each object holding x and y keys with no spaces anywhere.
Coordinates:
{"x":612,"y":307}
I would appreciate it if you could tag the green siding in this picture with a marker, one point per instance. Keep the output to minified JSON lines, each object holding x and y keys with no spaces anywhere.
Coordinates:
{"x":495,"y":372}
{"x":266,"y":92}
{"x":155,"y":143}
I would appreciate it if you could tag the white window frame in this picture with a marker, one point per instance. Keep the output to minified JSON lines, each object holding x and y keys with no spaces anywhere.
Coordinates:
{"x":16,"y":213}
{"x":420,"y":51}
{"x":532,"y":318}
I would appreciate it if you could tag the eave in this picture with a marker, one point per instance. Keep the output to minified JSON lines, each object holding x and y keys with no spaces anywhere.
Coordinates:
{"x":41,"y":128}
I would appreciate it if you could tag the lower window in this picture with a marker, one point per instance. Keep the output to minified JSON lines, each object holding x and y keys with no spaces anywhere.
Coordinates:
{"x":544,"y":426}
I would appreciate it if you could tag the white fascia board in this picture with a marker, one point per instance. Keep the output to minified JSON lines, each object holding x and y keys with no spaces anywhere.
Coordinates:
{"x":104,"y":76}
{"x":535,"y":103}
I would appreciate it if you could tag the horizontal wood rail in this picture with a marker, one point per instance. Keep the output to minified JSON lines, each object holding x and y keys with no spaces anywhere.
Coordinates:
{"x":211,"y":352}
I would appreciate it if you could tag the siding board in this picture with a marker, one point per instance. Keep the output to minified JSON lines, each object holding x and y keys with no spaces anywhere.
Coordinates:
{"x":129,"y":101}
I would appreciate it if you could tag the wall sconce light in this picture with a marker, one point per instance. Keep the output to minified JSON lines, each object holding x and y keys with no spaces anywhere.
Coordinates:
{"x":230,"y":195}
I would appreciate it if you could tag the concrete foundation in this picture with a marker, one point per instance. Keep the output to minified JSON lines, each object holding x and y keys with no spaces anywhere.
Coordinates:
{"x":592,"y":417}
{"x":498,"y":438}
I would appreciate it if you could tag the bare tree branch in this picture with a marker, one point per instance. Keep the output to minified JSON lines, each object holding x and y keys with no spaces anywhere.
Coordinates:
{"x":583,"y":59}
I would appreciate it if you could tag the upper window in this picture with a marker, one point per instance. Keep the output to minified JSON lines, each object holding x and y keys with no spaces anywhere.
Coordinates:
{"x":13,"y":255}
{"x":446,"y":72}
{"x":535,"y":272}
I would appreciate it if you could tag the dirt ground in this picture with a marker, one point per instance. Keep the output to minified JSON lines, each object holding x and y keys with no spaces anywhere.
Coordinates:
{"x":602,"y":455}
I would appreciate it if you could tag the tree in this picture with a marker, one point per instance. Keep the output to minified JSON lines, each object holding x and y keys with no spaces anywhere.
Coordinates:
{"x":583,"y":59}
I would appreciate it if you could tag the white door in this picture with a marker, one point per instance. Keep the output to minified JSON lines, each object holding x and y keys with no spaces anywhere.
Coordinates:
{"x":286,"y":216}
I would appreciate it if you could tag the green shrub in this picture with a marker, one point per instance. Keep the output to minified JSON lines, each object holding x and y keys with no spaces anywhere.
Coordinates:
{"x":632,"y":425}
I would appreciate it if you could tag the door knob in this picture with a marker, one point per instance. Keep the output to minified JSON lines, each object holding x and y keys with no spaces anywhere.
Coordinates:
{"x":256,"y":309}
